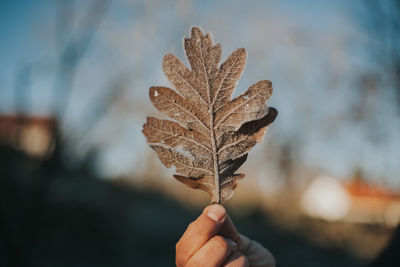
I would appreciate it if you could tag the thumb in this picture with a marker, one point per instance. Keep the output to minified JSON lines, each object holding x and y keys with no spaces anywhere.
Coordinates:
{"x":199,"y":232}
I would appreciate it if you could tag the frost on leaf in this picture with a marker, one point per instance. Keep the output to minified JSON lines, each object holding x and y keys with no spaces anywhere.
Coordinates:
{"x":211,"y":133}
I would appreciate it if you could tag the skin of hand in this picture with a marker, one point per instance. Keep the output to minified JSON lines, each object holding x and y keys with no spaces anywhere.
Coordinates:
{"x":212,"y":240}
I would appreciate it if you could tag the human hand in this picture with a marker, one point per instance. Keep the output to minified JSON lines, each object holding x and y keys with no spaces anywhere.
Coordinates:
{"x":212,"y":240}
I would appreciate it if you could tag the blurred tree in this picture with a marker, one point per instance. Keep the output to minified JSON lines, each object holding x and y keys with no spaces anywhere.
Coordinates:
{"x":382,"y":20}
{"x":73,"y":45}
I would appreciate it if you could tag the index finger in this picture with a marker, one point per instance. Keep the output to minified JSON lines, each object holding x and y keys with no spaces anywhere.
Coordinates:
{"x":229,"y":230}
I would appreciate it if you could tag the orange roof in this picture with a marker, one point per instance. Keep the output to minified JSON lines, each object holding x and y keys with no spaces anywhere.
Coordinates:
{"x":358,"y":187}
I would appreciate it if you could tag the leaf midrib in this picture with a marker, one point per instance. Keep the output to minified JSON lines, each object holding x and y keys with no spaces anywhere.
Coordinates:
{"x":217,"y":193}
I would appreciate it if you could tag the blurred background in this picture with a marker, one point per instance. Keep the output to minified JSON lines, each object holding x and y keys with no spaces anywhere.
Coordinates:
{"x":80,"y":187}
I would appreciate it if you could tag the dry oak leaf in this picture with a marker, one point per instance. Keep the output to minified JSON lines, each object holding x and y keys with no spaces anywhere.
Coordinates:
{"x":212,"y":134}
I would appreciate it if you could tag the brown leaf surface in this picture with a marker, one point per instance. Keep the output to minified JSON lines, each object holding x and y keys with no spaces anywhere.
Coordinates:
{"x":213,"y":133}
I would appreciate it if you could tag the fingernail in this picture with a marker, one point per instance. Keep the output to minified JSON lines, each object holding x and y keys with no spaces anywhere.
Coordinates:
{"x":231,"y":243}
{"x":216,"y":213}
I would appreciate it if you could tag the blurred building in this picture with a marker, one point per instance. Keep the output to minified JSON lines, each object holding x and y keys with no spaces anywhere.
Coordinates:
{"x":356,"y":201}
{"x":34,"y":135}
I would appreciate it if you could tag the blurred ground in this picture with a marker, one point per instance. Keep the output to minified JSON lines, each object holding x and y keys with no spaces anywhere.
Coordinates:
{"x":72,"y":219}
{"x":112,"y":226}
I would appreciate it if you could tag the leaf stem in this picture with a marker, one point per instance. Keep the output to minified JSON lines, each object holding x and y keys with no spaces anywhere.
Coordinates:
{"x":216,"y":199}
